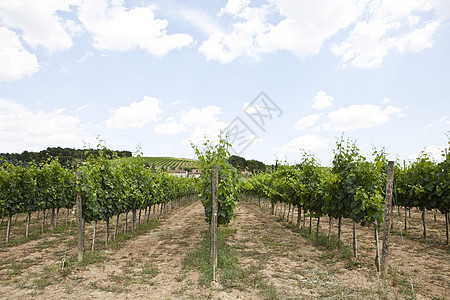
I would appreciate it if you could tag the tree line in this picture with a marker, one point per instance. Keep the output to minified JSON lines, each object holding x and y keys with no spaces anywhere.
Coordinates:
{"x":67,"y":157}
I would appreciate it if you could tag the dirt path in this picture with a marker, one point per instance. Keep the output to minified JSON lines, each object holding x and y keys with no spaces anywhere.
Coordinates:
{"x":275,"y":262}
{"x":298,"y":269}
{"x":147,"y":267}
{"x":291,"y":264}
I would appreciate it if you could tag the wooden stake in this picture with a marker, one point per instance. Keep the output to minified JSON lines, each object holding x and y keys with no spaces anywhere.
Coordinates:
{"x":80,"y":222}
{"x":406,"y":220}
{"x":139,"y":218}
{"x":52,"y":223}
{"x":446,"y":224}
{"x":126,"y":223}
{"x":387,"y":220}
{"x":133,"y":219}
{"x":424,"y":225}
{"x":28,"y":223}
{"x":43,"y":221}
{"x":8,"y":229}
{"x":377,"y":244}
{"x":93,"y":235}
{"x":299,"y":216}
{"x":355,"y":241}
{"x":56,"y":217}
{"x":330,"y":223}
{"x":310,"y":223}
{"x":215,"y":205}
{"x":116,"y":227}
{"x":107,"y":233}
{"x":318,"y":228}
{"x":339,"y":232}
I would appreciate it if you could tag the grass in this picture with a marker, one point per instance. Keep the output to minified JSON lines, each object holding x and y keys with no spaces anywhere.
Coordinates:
{"x":402,"y":283}
{"x":229,"y":273}
{"x":44,"y":279}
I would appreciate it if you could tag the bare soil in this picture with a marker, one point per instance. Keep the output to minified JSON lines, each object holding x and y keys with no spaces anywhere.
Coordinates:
{"x":277,"y":262}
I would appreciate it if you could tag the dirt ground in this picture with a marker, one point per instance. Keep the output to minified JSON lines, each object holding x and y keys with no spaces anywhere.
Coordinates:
{"x":278,"y":263}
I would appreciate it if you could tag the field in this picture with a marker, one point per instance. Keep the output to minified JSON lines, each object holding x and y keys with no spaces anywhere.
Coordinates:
{"x":262,"y":257}
{"x":170,"y":163}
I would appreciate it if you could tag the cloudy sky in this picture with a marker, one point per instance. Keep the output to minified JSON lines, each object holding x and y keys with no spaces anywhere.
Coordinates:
{"x":162,"y":73}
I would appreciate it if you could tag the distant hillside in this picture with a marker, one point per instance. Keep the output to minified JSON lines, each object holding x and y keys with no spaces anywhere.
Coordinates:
{"x":169,"y":163}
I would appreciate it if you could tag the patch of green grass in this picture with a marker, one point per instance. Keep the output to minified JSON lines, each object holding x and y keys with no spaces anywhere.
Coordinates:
{"x":16,"y":269}
{"x":229,"y":273}
{"x":148,"y":272}
{"x":402,"y":283}
{"x":44,"y":279}
{"x":352,"y":264}
{"x":22,"y":240}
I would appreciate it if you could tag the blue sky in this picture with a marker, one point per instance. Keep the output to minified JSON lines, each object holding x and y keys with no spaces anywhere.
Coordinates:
{"x":162,"y":73}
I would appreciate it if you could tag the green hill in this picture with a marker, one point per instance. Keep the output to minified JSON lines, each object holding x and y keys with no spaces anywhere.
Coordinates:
{"x":170,"y":163}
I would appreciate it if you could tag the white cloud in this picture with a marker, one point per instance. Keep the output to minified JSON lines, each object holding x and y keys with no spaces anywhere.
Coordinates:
{"x":85,"y":56}
{"x":22,"y":129}
{"x":116,"y":27}
{"x":303,"y":28}
{"x":444,"y":120}
{"x":387,"y":26}
{"x":169,"y":127}
{"x":196,"y":17}
{"x":321,"y":100}
{"x":309,"y":23}
{"x":305,"y":142}
{"x":196,"y":122}
{"x":135,"y":115}
{"x":39,"y":22}
{"x":178,"y":102}
{"x":375,"y":28}
{"x":307,"y":121}
{"x":250,"y":23}
{"x":83,"y":107}
{"x":359,"y":116}
{"x":15,"y":61}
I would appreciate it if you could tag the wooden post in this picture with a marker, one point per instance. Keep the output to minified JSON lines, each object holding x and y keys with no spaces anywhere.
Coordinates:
{"x":329,"y":230}
{"x":387,"y":219}
{"x":8,"y":229}
{"x":424,"y":224}
{"x":28,"y":223}
{"x":80,"y":222}
{"x":93,"y":235}
{"x":339,"y":232}
{"x":446,"y":225}
{"x":377,"y":256}
{"x":355,"y":241}
{"x":117,"y":226}
{"x":406,"y":220}
{"x":215,"y":205}
{"x":318,"y":228}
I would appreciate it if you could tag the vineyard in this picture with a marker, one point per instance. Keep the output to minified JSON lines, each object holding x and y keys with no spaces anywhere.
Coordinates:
{"x":167,"y":163}
{"x":108,"y":188}
{"x":300,"y":231}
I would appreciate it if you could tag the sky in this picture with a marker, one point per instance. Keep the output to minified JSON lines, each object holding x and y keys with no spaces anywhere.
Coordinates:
{"x":277,"y":76}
